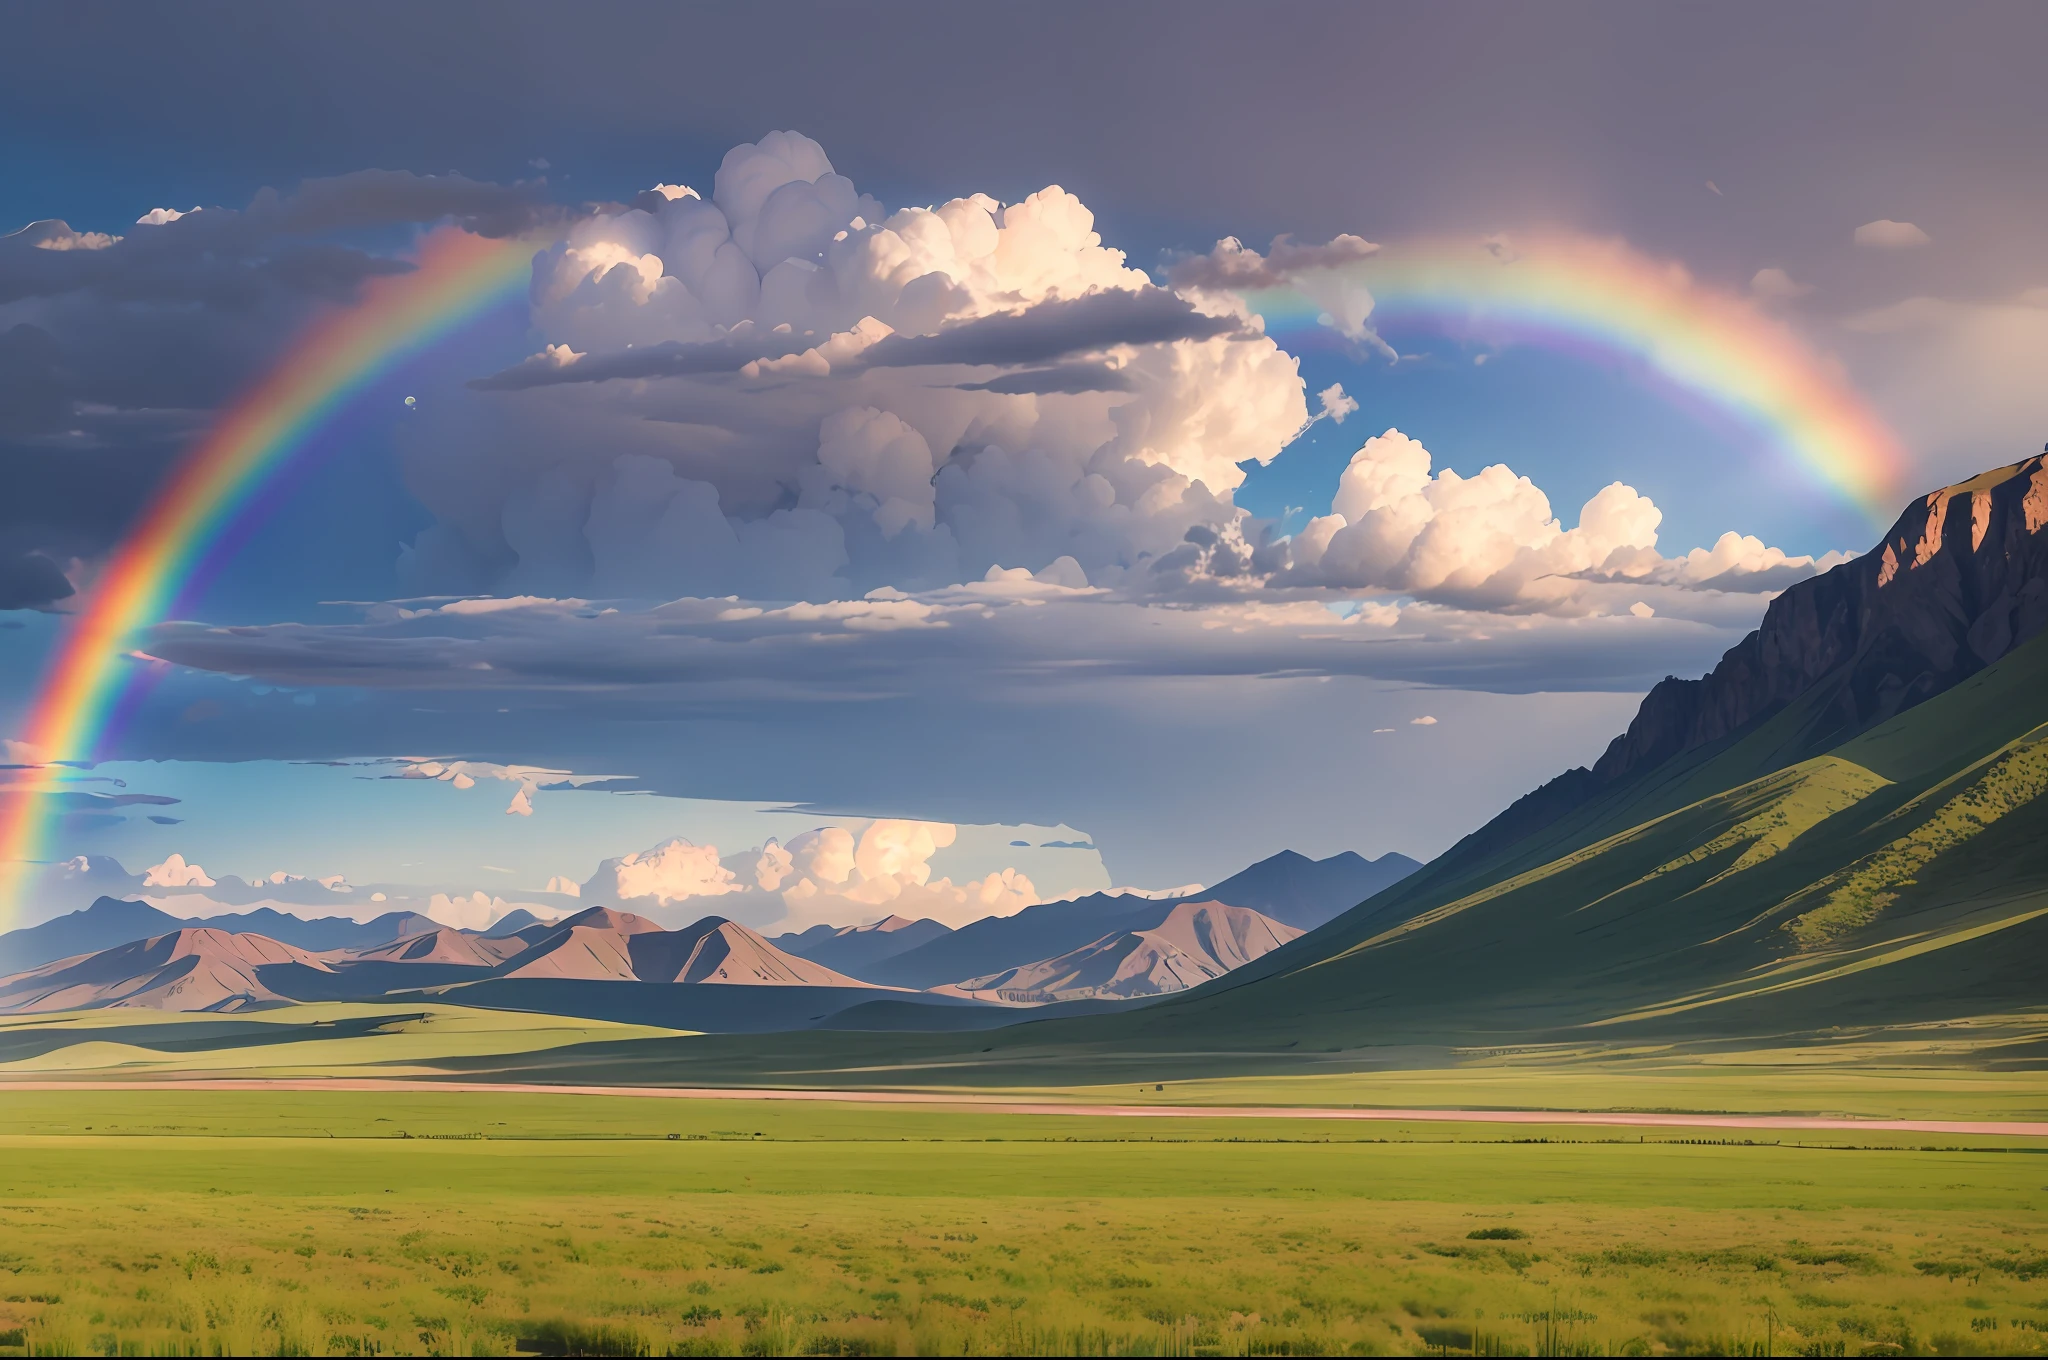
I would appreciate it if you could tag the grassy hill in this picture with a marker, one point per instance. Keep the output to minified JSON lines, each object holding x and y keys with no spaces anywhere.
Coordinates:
{"x":1900,"y":877}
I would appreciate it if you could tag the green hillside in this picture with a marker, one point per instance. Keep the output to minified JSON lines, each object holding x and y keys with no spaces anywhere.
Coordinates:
{"x":1900,"y":878}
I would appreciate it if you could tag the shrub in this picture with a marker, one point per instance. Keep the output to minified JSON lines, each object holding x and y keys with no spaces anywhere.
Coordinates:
{"x":560,"y":1337}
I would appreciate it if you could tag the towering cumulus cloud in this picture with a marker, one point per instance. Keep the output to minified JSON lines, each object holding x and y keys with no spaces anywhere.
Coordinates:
{"x":947,"y":389}
{"x":1490,"y":541}
{"x":826,"y":874}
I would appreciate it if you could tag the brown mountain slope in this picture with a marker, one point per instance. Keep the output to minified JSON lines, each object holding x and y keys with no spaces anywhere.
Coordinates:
{"x":1196,"y":943}
{"x":1230,"y":936}
{"x":186,"y":970}
{"x":591,"y":945}
{"x":715,"y":950}
{"x":601,"y":944}
{"x":445,"y":945}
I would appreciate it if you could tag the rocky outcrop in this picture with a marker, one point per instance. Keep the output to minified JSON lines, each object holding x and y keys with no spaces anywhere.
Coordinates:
{"x":1960,"y":580}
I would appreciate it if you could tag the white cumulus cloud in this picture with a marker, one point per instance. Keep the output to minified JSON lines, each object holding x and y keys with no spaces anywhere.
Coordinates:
{"x":174,"y":872}
{"x":1777,"y":285}
{"x":1886,"y":234}
{"x":785,"y":390}
{"x":1334,"y":403}
{"x":830,"y":874}
{"x":1491,"y":541}
{"x":673,"y":871}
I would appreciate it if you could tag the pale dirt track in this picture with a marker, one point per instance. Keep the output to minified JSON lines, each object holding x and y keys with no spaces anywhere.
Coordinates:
{"x":1002,"y":1105}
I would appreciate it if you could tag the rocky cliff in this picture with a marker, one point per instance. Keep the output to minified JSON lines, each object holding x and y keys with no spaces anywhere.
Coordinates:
{"x":1959,"y":581}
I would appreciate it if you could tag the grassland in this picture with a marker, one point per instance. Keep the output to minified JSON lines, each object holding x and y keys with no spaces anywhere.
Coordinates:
{"x":327,"y":1222}
{"x":1985,"y":1068}
{"x":320,"y":1038}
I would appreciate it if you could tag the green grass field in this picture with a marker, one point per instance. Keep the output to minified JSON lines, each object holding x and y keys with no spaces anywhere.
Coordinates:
{"x":324,"y":1222}
{"x":1983,"y":1068}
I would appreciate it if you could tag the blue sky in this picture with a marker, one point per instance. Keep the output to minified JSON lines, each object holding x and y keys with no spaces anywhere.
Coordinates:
{"x":1158,"y":675}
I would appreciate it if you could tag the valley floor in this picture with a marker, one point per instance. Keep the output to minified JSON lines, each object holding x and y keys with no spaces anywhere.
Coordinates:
{"x":467,"y":1222}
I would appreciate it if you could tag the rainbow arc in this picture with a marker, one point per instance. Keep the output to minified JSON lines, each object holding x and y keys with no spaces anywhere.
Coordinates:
{"x":218,"y":484}
{"x":1565,"y":291}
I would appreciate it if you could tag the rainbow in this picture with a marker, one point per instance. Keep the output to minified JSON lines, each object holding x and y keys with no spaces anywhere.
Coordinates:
{"x":219,"y":485}
{"x":1571,"y":291}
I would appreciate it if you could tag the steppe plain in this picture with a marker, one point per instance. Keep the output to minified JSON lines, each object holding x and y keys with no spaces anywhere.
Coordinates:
{"x":170,"y":1185}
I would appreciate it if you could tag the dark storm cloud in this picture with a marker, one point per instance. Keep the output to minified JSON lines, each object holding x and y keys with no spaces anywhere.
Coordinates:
{"x":33,"y":395}
{"x":1382,"y":119}
{"x":870,"y":706}
{"x":167,"y":265}
{"x":1055,"y":329}
{"x":1735,"y":581}
{"x":115,"y":347}
{"x":1248,"y":271}
{"x":371,"y":198}
{"x":705,"y":651}
{"x":1061,"y":379}
{"x":221,"y":255}
{"x":1039,"y":334}
{"x":30,"y":580}
{"x":669,"y":359}
{"x":87,"y":801}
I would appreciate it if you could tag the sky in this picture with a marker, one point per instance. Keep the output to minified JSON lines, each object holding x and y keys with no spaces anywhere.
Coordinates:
{"x":944,"y":458}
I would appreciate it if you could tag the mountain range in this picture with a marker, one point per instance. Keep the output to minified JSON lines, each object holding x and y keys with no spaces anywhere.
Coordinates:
{"x":1291,"y":888}
{"x":1196,"y":942}
{"x":577,"y":965}
{"x":853,"y":948}
{"x":110,"y":920}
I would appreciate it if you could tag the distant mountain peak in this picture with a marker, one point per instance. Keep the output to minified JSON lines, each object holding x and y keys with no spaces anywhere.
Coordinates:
{"x":884,"y":926}
{"x":111,"y":920}
{"x":605,"y":918}
{"x":1197,"y":942}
